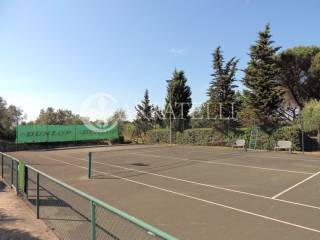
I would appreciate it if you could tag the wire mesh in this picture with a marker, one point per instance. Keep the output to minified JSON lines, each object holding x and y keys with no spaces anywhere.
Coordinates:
{"x":31,"y":187}
{"x":72,"y":214}
{"x":65,"y":212}
{"x":9,"y":170}
{"x":6,"y":165}
{"x":14,"y":173}
{"x":110,"y":226}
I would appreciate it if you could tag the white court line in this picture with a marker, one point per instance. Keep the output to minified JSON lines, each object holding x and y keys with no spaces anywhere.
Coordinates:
{"x":216,"y":153}
{"x":192,"y":197}
{"x":219,"y":163}
{"x":290,"y":159}
{"x":294,"y":186}
{"x":196,"y":183}
{"x":310,"y":159}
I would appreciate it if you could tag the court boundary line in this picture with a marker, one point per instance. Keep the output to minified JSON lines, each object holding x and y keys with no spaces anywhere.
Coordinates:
{"x":193,"y":197}
{"x":217,"y":153}
{"x":290,"y":159}
{"x":311,"y":158}
{"x":201,"y":184}
{"x":231,"y":155}
{"x":295,"y":185}
{"x":132,"y":151}
{"x":221,"y":163}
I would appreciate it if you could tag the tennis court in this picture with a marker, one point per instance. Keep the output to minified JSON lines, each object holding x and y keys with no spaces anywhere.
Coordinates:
{"x":196,"y":192}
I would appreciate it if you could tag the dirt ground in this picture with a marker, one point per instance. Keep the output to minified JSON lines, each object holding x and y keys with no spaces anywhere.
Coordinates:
{"x":17,"y":221}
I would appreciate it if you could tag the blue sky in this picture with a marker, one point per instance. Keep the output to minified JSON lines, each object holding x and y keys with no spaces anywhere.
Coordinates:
{"x":58,"y":53}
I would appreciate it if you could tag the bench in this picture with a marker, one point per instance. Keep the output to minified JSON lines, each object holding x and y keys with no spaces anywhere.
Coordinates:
{"x":283,"y":145}
{"x":240,"y":143}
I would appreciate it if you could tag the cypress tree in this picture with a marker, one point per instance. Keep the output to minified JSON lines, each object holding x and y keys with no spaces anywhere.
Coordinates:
{"x":221,"y":88}
{"x":157,"y":117}
{"x":261,"y":75}
{"x":178,"y":101}
{"x":144,"y":114}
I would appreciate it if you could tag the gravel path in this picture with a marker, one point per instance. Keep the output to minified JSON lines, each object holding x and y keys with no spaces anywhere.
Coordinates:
{"x":17,"y":221}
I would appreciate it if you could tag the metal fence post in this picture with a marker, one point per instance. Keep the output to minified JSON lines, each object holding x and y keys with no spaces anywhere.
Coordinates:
{"x":38,"y":198}
{"x":11,"y":172}
{"x":26,"y":177}
{"x":89,"y":164}
{"x":93,"y":220}
{"x":302,"y":134}
{"x":2,"y":165}
{"x":17,"y":178}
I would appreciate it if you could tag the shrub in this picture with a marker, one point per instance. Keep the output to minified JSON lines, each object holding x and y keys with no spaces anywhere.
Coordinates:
{"x":204,"y":136}
{"x":288,"y":133}
{"x":293,"y":134}
{"x":196,"y":136}
{"x":127,"y":131}
{"x":209,"y":136}
{"x":158,"y":136}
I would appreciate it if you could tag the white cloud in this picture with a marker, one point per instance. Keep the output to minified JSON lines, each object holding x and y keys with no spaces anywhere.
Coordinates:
{"x":178,"y":51}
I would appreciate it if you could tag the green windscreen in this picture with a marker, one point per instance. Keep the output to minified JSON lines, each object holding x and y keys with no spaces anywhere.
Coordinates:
{"x":61,"y":133}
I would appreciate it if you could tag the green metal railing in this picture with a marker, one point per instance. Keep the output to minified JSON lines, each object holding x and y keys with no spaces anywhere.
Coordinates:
{"x":9,"y":170}
{"x":72,"y":213}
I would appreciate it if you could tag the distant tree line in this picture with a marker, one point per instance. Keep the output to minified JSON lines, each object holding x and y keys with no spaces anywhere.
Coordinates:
{"x":9,"y":118}
{"x":277,"y":87}
{"x":52,"y":116}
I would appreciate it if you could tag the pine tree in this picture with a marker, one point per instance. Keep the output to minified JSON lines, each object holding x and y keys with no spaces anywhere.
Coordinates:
{"x":221,"y":91}
{"x":144,"y":114}
{"x":261,"y":79}
{"x":221,"y":88}
{"x":157,"y":116}
{"x":178,"y":101}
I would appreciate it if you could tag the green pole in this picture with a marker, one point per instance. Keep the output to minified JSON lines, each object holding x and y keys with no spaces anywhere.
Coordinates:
{"x":11,"y":172}
{"x":89,"y":164}
{"x":17,"y":178}
{"x":2,"y":165}
{"x":26,"y":177}
{"x":93,"y":220}
{"x":38,"y":197}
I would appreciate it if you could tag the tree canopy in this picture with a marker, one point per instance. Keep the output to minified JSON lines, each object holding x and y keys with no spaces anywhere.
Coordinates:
{"x":261,"y":74}
{"x":59,"y":116}
{"x":178,"y":101}
{"x":144,"y":119}
{"x":300,"y":74}
{"x":221,"y":88}
{"x":10,"y":116}
{"x":311,"y":116}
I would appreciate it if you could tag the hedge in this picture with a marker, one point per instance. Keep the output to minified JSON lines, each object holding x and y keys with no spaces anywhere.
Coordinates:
{"x":209,"y":136}
{"x":158,"y":136}
{"x":196,"y":136}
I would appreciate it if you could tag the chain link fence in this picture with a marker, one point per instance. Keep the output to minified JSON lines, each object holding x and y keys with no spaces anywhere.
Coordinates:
{"x":71,"y":213}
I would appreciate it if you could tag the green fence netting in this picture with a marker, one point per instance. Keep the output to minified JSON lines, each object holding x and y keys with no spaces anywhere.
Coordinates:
{"x":62,"y":133}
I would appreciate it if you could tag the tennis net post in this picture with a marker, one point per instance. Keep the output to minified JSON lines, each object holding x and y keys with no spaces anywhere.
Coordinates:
{"x":89,"y":164}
